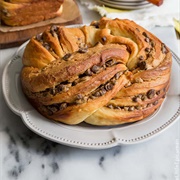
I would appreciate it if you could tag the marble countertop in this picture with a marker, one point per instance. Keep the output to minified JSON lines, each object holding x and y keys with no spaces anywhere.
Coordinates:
{"x":25,"y":156}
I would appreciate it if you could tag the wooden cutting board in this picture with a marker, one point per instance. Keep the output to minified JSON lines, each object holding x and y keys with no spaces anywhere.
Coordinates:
{"x":15,"y":36}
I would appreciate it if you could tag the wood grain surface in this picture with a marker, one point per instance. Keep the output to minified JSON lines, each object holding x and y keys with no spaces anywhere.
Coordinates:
{"x":15,"y":36}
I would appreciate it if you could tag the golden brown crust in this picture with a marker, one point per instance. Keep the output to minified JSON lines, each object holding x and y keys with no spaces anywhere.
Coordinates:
{"x":111,"y":72}
{"x":24,"y":12}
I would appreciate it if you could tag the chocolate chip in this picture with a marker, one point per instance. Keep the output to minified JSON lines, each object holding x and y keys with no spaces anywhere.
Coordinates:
{"x":96,"y":24}
{"x":138,"y":107}
{"x":149,"y":105}
{"x":142,"y":65}
{"x":163,"y":49}
{"x":113,"y":81}
{"x":151,"y":93}
{"x":131,"y":108}
{"x":108,"y":86}
{"x":102,"y":91}
{"x":52,"y":91}
{"x":126,"y":108}
{"x":75,"y":82}
{"x":79,"y":96}
{"x":139,"y":96}
{"x":53,"y":108}
{"x":95,"y":69}
{"x":147,"y":39}
{"x":110,"y":63}
{"x":138,"y":80}
{"x":110,"y":106}
{"x":144,"y":97}
{"x":147,"y":49}
{"x":53,"y":28}
{"x":81,"y":75}
{"x":158,"y":92}
{"x":80,"y":99}
{"x":117,"y":75}
{"x":83,"y":50}
{"x":152,"y":43}
{"x":56,"y":107}
{"x":92,"y":97}
{"x":63,"y":106}
{"x":145,"y":34}
{"x":149,"y":55}
{"x":60,"y":87}
{"x":97,"y":94}
{"x":85,"y":78}
{"x":88,"y":72}
{"x":141,"y":58}
{"x":155,"y":102}
{"x":104,"y":39}
{"x":115,"y":107}
{"x":135,"y":99}
{"x":104,"y":66}
{"x":67,"y":56}
{"x":46,"y":45}
{"x":39,"y":37}
{"x":127,"y":84}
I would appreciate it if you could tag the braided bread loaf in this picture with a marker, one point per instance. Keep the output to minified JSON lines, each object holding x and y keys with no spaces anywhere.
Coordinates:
{"x":110,"y":72}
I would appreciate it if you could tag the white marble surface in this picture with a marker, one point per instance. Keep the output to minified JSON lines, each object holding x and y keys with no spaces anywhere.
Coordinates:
{"x":26,"y":156}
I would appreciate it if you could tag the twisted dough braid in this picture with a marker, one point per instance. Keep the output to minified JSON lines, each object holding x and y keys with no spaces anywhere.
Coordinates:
{"x":110,"y":72}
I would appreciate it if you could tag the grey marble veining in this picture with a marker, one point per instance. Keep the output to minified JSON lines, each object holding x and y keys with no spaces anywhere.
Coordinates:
{"x":26,"y":155}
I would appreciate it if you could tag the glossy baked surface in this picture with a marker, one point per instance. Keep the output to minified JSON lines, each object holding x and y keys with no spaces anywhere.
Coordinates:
{"x":108,"y":73}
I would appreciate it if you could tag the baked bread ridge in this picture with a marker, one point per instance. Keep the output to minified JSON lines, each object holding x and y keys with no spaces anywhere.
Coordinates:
{"x":110,"y":72}
{"x":25,"y":12}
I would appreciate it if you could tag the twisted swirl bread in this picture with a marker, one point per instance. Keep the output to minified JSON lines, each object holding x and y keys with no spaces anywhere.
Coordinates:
{"x":111,"y":72}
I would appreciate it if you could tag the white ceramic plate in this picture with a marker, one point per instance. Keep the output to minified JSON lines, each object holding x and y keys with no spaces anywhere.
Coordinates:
{"x":127,"y":6}
{"x":123,"y":3}
{"x":129,"y":1}
{"x":83,"y":135}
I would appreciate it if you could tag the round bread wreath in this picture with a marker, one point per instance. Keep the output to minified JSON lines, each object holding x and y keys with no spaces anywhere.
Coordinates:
{"x":110,"y":72}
